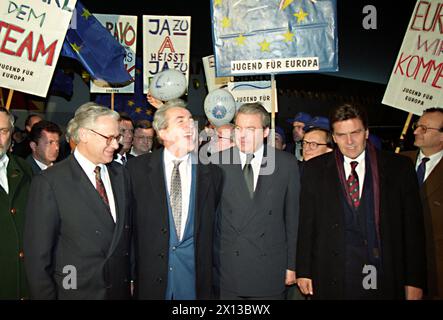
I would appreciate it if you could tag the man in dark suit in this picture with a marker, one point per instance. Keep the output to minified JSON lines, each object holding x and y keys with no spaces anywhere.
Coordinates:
{"x":257,"y":220}
{"x":361,"y":233}
{"x":428,"y":162}
{"x":15,"y":178}
{"x":175,"y":200}
{"x":77,"y":230}
{"x":126,"y":127}
{"x":45,"y":145}
{"x":23,"y":149}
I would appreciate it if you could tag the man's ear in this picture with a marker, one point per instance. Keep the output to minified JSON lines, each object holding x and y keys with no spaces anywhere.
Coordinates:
{"x":83,"y":135}
{"x":266,"y":132}
{"x":33,"y":146}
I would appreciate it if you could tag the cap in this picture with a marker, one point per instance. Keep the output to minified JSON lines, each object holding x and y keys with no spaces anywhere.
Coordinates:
{"x":318,"y":123}
{"x":280,"y":132}
{"x":300,"y":117}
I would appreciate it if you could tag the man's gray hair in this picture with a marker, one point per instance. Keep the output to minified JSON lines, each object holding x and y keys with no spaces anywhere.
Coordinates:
{"x":10,"y":116}
{"x":86,"y":116}
{"x":160,"y":120}
{"x":255,"y":108}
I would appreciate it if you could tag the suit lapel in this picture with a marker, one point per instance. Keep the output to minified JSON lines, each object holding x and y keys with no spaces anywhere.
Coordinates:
{"x":90,"y":195}
{"x":203,"y":184}
{"x":15,"y":176}
{"x":434,"y":180}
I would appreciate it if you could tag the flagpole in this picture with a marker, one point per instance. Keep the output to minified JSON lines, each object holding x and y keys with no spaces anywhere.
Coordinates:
{"x":403,"y":133}
{"x":273,"y":107}
{"x":112,"y":100}
{"x":8,"y":102}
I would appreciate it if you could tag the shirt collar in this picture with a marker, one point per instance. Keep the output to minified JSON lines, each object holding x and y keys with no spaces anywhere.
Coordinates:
{"x":87,"y":165}
{"x":432,"y":158}
{"x":4,"y":161}
{"x":40,"y":164}
{"x":258,"y":154}
{"x":359,"y":159}
{"x":169,"y":157}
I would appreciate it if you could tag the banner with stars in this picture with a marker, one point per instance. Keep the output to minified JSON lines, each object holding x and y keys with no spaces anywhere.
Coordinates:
{"x":274,"y":36}
{"x":31,"y":38}
{"x":124,"y":30}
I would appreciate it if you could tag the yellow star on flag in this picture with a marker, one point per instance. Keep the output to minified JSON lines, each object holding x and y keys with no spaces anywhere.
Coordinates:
{"x":288,"y":36}
{"x":264,"y":45}
{"x":285,"y":4}
{"x":76,"y":47}
{"x":86,"y":14}
{"x":226,"y":22}
{"x":149,"y":112}
{"x":131,"y":103}
{"x":217,"y":3}
{"x":138,"y":110}
{"x":240,"y":40}
{"x":301,"y":15}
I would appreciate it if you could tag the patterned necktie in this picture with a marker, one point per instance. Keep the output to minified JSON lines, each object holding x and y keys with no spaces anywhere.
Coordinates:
{"x":352,"y":185}
{"x":421,"y":170}
{"x":248,"y":173}
{"x":124,"y":160}
{"x":100,"y":186}
{"x":176,"y":197}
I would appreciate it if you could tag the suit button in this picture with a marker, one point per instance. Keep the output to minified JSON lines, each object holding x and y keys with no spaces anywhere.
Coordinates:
{"x":97,"y":233}
{"x":126,"y":254}
{"x":174,"y":248}
{"x":237,"y":253}
{"x":270,"y":212}
{"x":126,"y":226}
{"x":159,"y":279}
{"x":21,"y":254}
{"x":164,"y":230}
{"x":13,"y":211}
{"x":262,"y":235}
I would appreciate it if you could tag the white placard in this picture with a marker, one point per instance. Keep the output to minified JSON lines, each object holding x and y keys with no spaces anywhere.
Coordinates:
{"x":417,"y":78}
{"x":31,"y":37}
{"x":124,"y":30}
{"x":252,"y":91}
{"x":166,"y":45}
{"x":212,"y":81}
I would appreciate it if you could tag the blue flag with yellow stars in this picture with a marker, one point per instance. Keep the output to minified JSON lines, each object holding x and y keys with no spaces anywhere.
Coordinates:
{"x":135,"y":105}
{"x":99,"y":52}
{"x":274,"y":36}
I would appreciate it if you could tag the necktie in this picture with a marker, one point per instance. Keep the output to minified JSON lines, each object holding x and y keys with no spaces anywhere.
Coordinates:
{"x":100,"y":186}
{"x":124,"y":160}
{"x":248,"y":173}
{"x":353,"y":187}
{"x":4,"y":177}
{"x":176,"y":197}
{"x":421,"y":170}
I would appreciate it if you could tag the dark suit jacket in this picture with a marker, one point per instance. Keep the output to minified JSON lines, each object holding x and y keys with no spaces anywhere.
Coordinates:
{"x":35,"y":168}
{"x":67,"y":224}
{"x":256,"y":238}
{"x":12,"y":220}
{"x":151,"y":225}
{"x":431,"y":193}
{"x":321,"y":242}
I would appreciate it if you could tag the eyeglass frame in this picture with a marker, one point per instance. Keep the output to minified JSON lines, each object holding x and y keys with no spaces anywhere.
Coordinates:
{"x":424,"y":128}
{"x":312,"y":143}
{"x":109,"y":139}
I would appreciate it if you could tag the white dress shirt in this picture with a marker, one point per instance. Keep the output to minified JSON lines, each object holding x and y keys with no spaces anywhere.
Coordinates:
{"x":360,"y":169}
{"x":431,"y":164}
{"x":185,"y":169}
{"x":255,"y":163}
{"x":4,"y":173}
{"x":40,"y":164}
{"x":89,"y":167}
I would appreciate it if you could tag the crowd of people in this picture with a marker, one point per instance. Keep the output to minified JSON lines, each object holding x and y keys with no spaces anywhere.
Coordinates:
{"x":161,"y":211}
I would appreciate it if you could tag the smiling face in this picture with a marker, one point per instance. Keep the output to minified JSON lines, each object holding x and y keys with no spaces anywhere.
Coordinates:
{"x":350,"y":137}
{"x":180,"y":133}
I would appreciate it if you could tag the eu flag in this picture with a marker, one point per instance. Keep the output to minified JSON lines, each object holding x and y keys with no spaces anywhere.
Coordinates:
{"x":99,"y":52}
{"x":135,"y":105}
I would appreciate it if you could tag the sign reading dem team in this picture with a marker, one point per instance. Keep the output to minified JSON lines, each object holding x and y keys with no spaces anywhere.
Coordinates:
{"x":274,"y":65}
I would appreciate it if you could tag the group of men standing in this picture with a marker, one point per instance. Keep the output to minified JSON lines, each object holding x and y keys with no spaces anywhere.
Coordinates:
{"x":245,"y":226}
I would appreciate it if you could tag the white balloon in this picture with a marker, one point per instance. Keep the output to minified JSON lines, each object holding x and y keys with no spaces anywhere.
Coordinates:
{"x":219,"y":107}
{"x":167,"y":85}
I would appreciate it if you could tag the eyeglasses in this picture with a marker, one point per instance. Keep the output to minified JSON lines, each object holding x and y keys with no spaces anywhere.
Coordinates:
{"x":424,"y":128}
{"x":312,"y":145}
{"x":109,"y":139}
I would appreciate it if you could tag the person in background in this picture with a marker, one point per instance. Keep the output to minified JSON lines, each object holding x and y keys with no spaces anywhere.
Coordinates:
{"x":23,"y":148}
{"x":45,"y":143}
{"x":126,"y":128}
{"x":144,"y":136}
{"x":317,"y":139}
{"x":298,"y":124}
{"x":280,"y":138}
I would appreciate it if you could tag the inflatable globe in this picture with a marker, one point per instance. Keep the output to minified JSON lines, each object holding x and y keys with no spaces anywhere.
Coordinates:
{"x":219,"y":107}
{"x":167,"y":85}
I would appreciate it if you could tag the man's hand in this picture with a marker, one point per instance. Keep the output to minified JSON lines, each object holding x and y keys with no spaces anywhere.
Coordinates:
{"x":153,"y":101}
{"x":305,"y":285}
{"x":290,"y":278}
{"x":413,"y":293}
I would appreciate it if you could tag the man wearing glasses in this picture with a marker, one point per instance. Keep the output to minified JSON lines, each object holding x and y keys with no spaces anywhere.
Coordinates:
{"x":257,"y":220}
{"x":77,"y":229}
{"x":361,"y":232}
{"x":317,"y":139}
{"x":428,"y":131}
